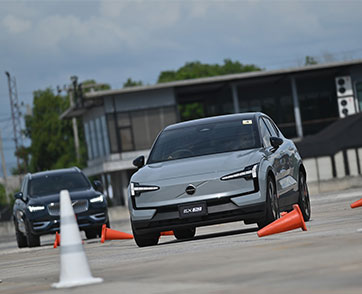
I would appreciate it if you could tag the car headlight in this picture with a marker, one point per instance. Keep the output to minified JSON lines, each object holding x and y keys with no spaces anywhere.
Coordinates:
{"x":35,"y":208}
{"x":250,"y":172}
{"x":100,"y":198}
{"x":137,"y":189}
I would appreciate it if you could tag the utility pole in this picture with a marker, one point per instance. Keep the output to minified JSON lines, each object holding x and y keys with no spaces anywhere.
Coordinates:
{"x":15,"y":114}
{"x":3,"y":164}
{"x":72,"y":93}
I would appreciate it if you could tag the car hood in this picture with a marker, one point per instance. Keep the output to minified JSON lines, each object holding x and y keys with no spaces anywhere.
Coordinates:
{"x":222,"y":163}
{"x":75,"y":195}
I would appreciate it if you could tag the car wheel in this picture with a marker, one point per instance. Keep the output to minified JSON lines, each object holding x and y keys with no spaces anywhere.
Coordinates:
{"x":184,"y":233}
{"x":32,"y":240}
{"x":143,"y":240}
{"x":272,"y":205}
{"x":20,"y":238}
{"x":304,"y":201}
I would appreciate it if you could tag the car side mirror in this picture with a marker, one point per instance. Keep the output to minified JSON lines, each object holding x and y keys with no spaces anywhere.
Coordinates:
{"x":98,"y":186}
{"x":18,"y":195}
{"x":276,"y":142}
{"x":139,"y":161}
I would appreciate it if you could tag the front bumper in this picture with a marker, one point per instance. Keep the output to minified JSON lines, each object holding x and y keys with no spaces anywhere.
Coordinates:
{"x":249,"y":208}
{"x":86,"y":220}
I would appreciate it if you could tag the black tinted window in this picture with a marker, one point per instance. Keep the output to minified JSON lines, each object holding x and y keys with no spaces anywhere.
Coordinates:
{"x":264,"y":133}
{"x":53,"y":184}
{"x":274,"y":132}
{"x":205,"y":139}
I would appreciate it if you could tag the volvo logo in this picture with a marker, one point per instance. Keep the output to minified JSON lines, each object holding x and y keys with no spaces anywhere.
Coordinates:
{"x":190,"y":189}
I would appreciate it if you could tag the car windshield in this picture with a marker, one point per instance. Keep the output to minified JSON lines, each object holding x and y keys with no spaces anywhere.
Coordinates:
{"x":204,"y":139}
{"x":53,"y":184}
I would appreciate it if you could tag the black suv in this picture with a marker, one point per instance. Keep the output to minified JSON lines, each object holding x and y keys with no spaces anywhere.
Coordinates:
{"x":36,"y":209}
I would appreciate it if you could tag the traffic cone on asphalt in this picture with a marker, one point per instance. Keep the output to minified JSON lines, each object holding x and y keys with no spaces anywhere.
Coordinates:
{"x":74,"y":268}
{"x":357,"y":203}
{"x":292,"y":220}
{"x":167,"y":233}
{"x":57,"y":240}
{"x":109,"y":234}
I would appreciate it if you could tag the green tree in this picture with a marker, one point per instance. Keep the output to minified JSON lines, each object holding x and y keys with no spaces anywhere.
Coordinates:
{"x":132,"y":83}
{"x":196,"y":69}
{"x":3,"y":198}
{"x":92,"y":85}
{"x":310,"y":60}
{"x":52,"y":142}
{"x":23,"y":153}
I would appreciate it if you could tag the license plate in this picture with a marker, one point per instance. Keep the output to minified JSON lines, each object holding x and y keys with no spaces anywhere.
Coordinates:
{"x":191,"y":210}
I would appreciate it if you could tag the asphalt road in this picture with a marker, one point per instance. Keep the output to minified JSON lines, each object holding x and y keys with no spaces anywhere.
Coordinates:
{"x":227,"y":258}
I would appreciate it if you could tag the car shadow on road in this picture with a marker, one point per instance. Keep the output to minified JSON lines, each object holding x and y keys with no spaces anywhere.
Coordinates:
{"x":213,"y":235}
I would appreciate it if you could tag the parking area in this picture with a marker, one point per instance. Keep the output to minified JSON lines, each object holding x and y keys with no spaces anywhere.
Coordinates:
{"x":227,"y":258}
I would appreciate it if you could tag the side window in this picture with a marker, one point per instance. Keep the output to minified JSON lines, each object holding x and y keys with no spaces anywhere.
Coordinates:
{"x":24,"y":187}
{"x":264,"y":133}
{"x":25,"y":191}
{"x":274,"y":132}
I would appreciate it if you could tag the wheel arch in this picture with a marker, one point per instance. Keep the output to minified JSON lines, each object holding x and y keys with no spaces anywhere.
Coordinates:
{"x":271,"y":174}
{"x":303,"y":170}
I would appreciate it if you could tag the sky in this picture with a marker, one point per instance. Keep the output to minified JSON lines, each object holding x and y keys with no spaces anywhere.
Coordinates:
{"x":44,"y":42}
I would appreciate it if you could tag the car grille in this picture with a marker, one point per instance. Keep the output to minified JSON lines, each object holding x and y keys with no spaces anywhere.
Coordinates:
{"x":78,"y":206}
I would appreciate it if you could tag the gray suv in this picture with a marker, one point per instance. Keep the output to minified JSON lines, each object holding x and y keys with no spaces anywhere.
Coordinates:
{"x":214,"y":170}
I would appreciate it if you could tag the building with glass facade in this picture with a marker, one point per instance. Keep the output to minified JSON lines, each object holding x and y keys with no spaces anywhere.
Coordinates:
{"x":122,"y":124}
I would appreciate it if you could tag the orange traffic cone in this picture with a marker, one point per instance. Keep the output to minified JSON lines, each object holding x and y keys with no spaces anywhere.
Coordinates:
{"x":358,"y":203}
{"x":167,"y":233}
{"x":292,"y":220}
{"x":57,"y":240}
{"x":283,"y":213}
{"x":109,"y":234}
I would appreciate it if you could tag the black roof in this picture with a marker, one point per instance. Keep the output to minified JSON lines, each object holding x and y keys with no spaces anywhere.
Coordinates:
{"x":214,"y":119}
{"x":341,"y":135}
{"x":54,"y":172}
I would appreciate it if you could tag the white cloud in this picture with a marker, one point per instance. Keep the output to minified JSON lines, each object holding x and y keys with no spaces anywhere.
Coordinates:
{"x":112,"y":9}
{"x":16,"y":25}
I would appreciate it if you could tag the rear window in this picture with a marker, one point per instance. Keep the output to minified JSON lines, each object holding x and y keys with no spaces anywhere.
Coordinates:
{"x":205,"y":139}
{"x":53,"y":184}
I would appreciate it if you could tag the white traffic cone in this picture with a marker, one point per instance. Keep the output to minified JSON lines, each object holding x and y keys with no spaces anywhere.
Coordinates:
{"x":74,"y":268}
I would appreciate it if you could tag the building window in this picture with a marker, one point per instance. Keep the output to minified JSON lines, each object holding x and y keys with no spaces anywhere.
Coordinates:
{"x":137,"y":130}
{"x":318,"y":103}
{"x":100,"y":139}
{"x":105,"y":135}
{"x":359,"y":95}
{"x":88,"y":140}
{"x":93,"y":138}
{"x":112,"y":133}
{"x":125,"y":131}
{"x":273,"y":99}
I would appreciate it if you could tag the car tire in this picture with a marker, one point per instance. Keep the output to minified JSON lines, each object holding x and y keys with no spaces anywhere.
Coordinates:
{"x":304,"y":201}
{"x":184,"y":233}
{"x":92,"y":233}
{"x":32,"y":240}
{"x":20,"y":238}
{"x":272,"y":205}
{"x":144,"y":240}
